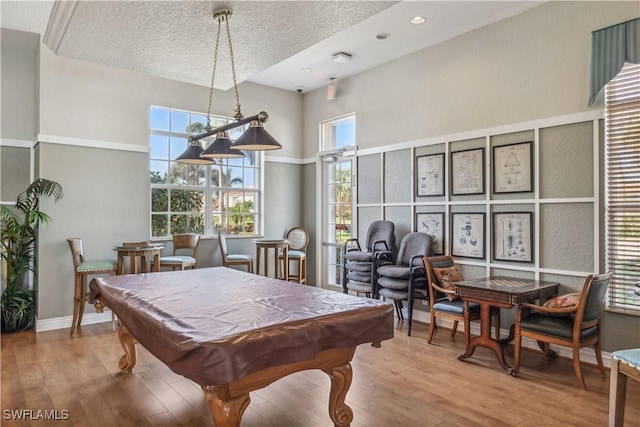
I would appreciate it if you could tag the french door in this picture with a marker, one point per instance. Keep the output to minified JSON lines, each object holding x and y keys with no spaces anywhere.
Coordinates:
{"x":337,"y":215}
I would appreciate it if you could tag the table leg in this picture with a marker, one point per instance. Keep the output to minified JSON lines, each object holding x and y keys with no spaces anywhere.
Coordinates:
{"x":266,"y":262}
{"x":130,"y":357}
{"x":340,"y":413}
{"x":226,"y":411}
{"x":485,"y":339}
{"x":285,"y":264}
{"x":143,"y":263}
{"x":156,"y":263}
{"x":258,"y":254}
{"x":133,"y":264}
{"x":120,"y":265}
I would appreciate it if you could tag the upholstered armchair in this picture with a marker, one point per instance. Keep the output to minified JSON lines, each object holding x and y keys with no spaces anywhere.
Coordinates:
{"x":570,"y":322}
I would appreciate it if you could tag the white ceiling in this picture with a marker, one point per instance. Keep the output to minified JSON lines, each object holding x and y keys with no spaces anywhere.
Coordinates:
{"x":271,"y":40}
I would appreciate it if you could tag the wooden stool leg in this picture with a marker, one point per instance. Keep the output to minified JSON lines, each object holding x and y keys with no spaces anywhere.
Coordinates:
{"x":77,"y":303}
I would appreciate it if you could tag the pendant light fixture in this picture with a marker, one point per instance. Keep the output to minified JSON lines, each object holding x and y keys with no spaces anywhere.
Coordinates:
{"x":255,"y":138}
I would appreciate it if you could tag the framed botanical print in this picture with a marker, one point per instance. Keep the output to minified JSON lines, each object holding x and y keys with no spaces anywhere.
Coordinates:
{"x":433,"y":225}
{"x":430,"y":175}
{"x":513,"y":236}
{"x":467,"y":235}
{"x":467,"y":172}
{"x":512,"y":168}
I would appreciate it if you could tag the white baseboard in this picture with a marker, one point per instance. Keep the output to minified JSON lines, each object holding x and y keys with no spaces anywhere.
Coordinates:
{"x":65,"y":322}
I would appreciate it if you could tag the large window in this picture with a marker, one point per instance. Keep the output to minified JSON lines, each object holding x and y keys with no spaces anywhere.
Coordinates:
{"x":199,"y":199}
{"x":623,"y":187}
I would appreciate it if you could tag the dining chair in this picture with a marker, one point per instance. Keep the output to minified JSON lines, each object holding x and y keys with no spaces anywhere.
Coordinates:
{"x":185,"y":248}
{"x":441,"y":274}
{"x":229,"y":260}
{"x":404,"y":280}
{"x":574,"y":325}
{"x":84,"y":268}
{"x":298,"y":238}
{"x":358,"y":271}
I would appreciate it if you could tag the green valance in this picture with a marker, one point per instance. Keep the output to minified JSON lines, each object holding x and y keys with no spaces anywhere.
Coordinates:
{"x":611,"y":47}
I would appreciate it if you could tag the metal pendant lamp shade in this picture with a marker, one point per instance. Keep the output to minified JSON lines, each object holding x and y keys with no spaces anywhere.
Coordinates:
{"x":221,"y":149}
{"x":192,"y":154}
{"x":256,"y":138}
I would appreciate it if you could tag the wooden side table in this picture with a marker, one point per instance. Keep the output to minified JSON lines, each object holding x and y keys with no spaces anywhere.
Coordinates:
{"x":144,"y":252}
{"x":262,"y":250}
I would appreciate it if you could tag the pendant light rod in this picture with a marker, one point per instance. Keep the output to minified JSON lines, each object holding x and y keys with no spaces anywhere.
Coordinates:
{"x":261,"y":117}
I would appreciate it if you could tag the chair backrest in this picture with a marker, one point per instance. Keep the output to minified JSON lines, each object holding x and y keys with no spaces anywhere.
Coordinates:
{"x":440,"y":261}
{"x":381,"y":230}
{"x":76,"y":251}
{"x":592,"y":300}
{"x":298,"y":239}
{"x":413,"y":244}
{"x":222,"y":241}
{"x":187,"y":243}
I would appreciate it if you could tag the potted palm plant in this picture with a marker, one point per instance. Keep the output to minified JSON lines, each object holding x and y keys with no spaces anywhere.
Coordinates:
{"x":18,"y":233}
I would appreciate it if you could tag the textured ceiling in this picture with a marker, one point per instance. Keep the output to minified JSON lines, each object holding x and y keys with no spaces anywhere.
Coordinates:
{"x":272,"y":40}
{"x":151,"y":37}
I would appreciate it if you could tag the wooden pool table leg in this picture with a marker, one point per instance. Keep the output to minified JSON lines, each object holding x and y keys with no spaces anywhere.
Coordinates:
{"x":129,"y":359}
{"x":340,"y":413}
{"x":227,"y":411}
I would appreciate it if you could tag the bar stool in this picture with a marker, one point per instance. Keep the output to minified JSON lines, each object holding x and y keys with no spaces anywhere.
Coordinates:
{"x":84,"y":268}
{"x":624,"y":364}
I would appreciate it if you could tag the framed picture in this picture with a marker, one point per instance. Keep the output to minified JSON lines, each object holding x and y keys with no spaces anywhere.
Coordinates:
{"x":433,"y":225}
{"x":512,"y":236}
{"x":467,"y":172}
{"x":512,"y":166}
{"x":430,"y":175}
{"x":467,"y":235}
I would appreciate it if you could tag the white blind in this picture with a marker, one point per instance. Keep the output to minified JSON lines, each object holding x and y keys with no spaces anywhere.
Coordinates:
{"x":622,"y":111}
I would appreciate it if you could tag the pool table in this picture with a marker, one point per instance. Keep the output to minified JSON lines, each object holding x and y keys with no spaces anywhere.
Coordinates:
{"x":233,"y":332}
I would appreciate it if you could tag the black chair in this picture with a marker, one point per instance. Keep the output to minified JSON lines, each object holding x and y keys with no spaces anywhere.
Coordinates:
{"x":358,"y":273}
{"x":574,"y":326}
{"x":404,"y":280}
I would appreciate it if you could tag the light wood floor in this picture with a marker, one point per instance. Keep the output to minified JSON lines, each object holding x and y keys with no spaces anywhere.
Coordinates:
{"x":407,"y":383}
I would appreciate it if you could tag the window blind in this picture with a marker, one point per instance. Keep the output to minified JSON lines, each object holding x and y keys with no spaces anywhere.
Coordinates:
{"x":622,"y":156}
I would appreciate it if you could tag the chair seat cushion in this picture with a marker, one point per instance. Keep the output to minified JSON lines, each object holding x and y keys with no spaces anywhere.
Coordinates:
{"x":447,"y":276}
{"x":456,"y":306}
{"x":394,"y":271}
{"x":177,"y":260}
{"x":359,"y":256}
{"x":97,"y":265}
{"x":402,"y":295}
{"x":629,"y":357}
{"x":358,"y":266}
{"x":359,"y":276}
{"x":359,"y":287}
{"x":392,"y":283}
{"x":239,"y":257}
{"x":296,"y":254}
{"x":555,"y":326}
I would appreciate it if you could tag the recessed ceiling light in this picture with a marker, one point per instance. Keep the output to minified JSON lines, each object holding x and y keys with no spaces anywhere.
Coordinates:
{"x":383,"y":36}
{"x":417,"y":20}
{"x":305,"y":70}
